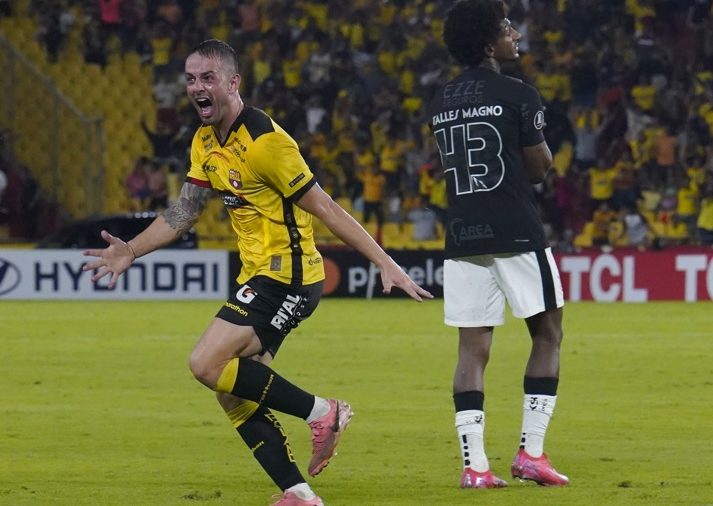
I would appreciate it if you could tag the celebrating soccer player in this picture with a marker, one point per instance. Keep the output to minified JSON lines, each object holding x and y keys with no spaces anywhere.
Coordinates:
{"x":256,"y":168}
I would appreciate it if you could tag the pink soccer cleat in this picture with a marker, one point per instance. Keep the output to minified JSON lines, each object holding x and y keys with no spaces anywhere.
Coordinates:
{"x":292,"y":499}
{"x":325,"y":434}
{"x":539,"y":470}
{"x":474,"y":479}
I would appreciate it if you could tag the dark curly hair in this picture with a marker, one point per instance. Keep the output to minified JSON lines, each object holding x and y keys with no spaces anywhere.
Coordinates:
{"x":470,"y":26}
{"x":214,"y":48}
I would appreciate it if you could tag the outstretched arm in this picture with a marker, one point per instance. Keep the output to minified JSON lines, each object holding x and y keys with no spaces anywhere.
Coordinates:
{"x":172,"y":224}
{"x":321,"y":205}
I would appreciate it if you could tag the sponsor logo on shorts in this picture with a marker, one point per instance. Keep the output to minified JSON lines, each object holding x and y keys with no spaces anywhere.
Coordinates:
{"x":286,"y":311}
{"x":237,"y":309}
{"x":245,"y":294}
{"x":315,"y":261}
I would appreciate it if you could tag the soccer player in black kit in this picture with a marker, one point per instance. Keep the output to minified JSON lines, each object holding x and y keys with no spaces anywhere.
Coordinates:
{"x":488,"y":128}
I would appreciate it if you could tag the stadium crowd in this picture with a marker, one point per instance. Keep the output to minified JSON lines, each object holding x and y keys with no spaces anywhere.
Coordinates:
{"x":627,"y":84}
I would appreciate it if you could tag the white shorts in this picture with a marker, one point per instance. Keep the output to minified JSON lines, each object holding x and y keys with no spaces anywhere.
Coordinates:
{"x":475,"y":288}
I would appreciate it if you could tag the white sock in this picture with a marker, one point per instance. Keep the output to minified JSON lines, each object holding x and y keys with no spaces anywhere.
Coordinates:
{"x":302,"y":491}
{"x":320,"y":408}
{"x":470,"y":426}
{"x":537,"y":411}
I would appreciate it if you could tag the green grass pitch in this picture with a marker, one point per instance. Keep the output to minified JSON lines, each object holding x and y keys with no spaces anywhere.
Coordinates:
{"x":97,"y":406}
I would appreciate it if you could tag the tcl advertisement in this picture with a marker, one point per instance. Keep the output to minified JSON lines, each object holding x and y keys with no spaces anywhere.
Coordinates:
{"x":638,"y":276}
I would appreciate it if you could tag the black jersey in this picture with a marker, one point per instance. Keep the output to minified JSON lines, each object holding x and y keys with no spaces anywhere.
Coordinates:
{"x":481,"y":120}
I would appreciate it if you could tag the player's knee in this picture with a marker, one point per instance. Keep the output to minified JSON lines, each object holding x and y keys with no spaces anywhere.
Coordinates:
{"x":551,"y":338}
{"x":555,"y":334}
{"x":202,"y":370}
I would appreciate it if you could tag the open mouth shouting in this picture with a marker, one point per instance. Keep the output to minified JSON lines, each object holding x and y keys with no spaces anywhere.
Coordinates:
{"x":204,"y":106}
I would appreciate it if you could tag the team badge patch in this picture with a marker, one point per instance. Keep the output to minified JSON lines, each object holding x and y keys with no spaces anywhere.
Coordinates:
{"x":235,"y":180}
{"x":539,"y":120}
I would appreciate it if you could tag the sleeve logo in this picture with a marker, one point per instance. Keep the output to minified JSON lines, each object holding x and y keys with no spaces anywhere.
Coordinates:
{"x":297,"y":179}
{"x":539,"y":121}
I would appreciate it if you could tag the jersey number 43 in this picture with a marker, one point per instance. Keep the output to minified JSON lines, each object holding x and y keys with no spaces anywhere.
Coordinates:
{"x":471,"y":153}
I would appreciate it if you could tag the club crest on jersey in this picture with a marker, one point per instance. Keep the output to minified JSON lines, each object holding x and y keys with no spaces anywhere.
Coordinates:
{"x":539,"y":120}
{"x":234,"y":177}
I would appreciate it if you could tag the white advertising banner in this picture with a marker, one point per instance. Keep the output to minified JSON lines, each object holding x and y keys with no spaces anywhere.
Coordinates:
{"x":163,"y":274}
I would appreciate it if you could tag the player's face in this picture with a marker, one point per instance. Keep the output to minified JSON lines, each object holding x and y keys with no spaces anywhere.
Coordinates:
{"x":507,"y":45}
{"x":210,"y":88}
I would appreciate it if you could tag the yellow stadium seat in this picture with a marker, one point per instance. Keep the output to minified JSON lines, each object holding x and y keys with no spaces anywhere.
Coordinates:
{"x":392,"y":236}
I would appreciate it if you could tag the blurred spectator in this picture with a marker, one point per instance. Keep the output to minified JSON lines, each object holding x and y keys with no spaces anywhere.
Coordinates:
{"x":132,"y":14}
{"x":137,"y":184}
{"x":163,"y":43}
{"x":705,"y":219}
{"x":318,"y":67}
{"x":94,"y":42}
{"x":583,"y":76}
{"x":316,"y":114}
{"x":110,"y":16}
{"x":637,"y":232}
{"x":53,"y":25}
{"x":20,"y":201}
{"x":170,"y":13}
{"x":424,"y":222}
{"x":249,"y":19}
{"x":585,"y":152}
{"x":157,"y":183}
{"x":392,"y":162}
{"x":161,"y":142}
{"x":687,"y":204}
{"x":374,"y":183}
{"x":602,"y":218}
{"x":626,"y":191}
{"x":166,"y":91}
{"x":643,"y":94}
{"x":601,"y":184}
{"x":665,"y":154}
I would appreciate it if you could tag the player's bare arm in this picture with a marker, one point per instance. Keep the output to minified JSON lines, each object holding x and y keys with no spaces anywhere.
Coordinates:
{"x":538,"y":160}
{"x":174,"y":222}
{"x":346,"y":228}
{"x":184,"y":213}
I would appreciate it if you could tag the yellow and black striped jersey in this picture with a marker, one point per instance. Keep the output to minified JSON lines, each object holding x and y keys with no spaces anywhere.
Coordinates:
{"x":260,"y":174}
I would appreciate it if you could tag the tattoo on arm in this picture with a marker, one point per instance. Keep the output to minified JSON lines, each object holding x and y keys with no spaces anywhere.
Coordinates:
{"x":182,"y":214}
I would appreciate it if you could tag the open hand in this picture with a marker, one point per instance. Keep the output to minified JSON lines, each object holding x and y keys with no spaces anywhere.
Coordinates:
{"x":392,"y":275}
{"x":114,"y":259}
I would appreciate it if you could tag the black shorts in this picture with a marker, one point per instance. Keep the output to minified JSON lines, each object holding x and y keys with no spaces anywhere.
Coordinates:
{"x":272,"y":308}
